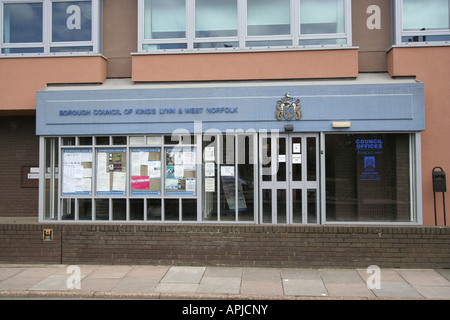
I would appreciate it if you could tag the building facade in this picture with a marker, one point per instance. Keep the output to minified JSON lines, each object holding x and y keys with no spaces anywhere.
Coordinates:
{"x":226,"y":111}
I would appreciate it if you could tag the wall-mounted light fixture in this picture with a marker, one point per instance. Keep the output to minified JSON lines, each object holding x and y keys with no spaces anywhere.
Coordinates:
{"x":341,"y":124}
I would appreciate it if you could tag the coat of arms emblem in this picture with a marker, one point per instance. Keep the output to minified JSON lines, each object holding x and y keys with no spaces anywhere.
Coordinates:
{"x":288,"y":108}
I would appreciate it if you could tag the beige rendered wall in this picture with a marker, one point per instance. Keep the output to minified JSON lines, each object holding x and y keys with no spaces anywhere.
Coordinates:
{"x":430,"y":65}
{"x":342,"y":63}
{"x":119,"y":36}
{"x":373,"y":42}
{"x":21,"y":78}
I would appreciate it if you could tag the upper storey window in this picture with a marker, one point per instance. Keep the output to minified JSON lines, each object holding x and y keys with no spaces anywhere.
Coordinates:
{"x":49,"y":27}
{"x":198,"y":25}
{"x":420,"y":22}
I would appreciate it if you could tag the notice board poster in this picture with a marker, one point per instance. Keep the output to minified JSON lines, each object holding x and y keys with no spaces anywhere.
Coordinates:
{"x":146,"y":171}
{"x":77,"y":171}
{"x":111,"y":171}
{"x":180,"y":171}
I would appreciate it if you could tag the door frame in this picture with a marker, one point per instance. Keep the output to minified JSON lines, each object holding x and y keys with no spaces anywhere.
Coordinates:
{"x":289,"y":185}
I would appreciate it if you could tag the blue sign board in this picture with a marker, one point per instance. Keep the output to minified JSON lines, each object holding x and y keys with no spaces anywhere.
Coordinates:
{"x":141,"y":110}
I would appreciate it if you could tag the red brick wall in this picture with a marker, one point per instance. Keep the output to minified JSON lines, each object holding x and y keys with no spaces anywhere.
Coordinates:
{"x":19,"y":146}
{"x":244,"y":245}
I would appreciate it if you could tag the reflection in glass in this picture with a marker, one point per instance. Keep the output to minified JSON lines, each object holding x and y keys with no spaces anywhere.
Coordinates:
{"x":101,"y":209}
{"x":281,"y":206}
{"x":267,"y":205}
{"x":189,"y":209}
{"x":136,"y":209}
{"x":216,"y":18}
{"x":164,"y":19}
{"x":71,"y":21}
{"x":119,"y":209}
{"x":321,"y":17}
{"x":67,"y":209}
{"x":22,"y":22}
{"x":297,"y":209}
{"x":312,"y":205}
{"x":268,"y":17}
{"x":154,"y":209}
{"x":425,"y":15}
{"x":85,"y":209}
{"x":368,"y":177}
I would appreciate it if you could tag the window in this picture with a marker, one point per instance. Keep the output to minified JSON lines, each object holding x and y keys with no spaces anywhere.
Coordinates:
{"x":228,"y":25}
{"x":423,"y":21}
{"x":47,"y":26}
{"x":150,"y":178}
{"x":368,"y":178}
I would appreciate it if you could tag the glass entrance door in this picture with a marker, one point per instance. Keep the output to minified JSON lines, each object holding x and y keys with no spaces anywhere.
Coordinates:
{"x":289,"y":178}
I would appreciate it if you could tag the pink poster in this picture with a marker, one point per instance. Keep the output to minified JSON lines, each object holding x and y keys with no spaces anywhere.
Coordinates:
{"x":140,"y":182}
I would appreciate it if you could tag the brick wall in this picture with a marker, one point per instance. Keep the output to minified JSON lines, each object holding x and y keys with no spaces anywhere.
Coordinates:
{"x":19,"y":146}
{"x":244,"y":245}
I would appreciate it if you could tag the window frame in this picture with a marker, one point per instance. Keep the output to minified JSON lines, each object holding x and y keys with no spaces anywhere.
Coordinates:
{"x":242,"y":38}
{"x":400,"y":33}
{"x":47,"y":44}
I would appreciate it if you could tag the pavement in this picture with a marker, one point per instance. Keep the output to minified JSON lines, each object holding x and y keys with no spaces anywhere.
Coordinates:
{"x":154,"y":282}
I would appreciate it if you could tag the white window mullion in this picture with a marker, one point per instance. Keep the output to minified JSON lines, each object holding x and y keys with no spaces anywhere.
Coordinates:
{"x":47,"y":25}
{"x":141,"y":24}
{"x":242,"y":23}
{"x":190,"y":23}
{"x":96,"y":18}
{"x":295,"y":22}
{"x":348,"y":21}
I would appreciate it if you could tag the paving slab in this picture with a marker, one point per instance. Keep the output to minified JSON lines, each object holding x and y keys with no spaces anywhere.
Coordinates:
{"x":27,"y":278}
{"x":56,"y":282}
{"x":6,"y":273}
{"x":434,"y":292}
{"x":349,"y":290}
{"x":262,"y":287}
{"x":176,"y":288}
{"x":148,"y":272}
{"x":264,"y":274}
{"x":304,"y":287}
{"x":300,"y":273}
{"x":389,"y":275}
{"x":225,"y":285}
{"x":109,"y":272}
{"x":223,"y":272}
{"x":135,"y":284}
{"x":340,"y":276}
{"x":444,"y":272}
{"x":396,"y":290}
{"x":184,"y":275}
{"x":421,"y":277}
{"x":99,"y":284}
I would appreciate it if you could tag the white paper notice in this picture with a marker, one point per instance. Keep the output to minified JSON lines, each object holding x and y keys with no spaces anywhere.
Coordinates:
{"x":190,"y":184}
{"x":154,"y":169}
{"x":210,"y":184}
{"x":296,"y":158}
{"x":227,"y":171}
{"x":209,"y":154}
{"x":178,"y":172}
{"x":209,"y":169}
{"x":119,"y":181}
{"x":296,"y":148}
{"x":103,"y":182}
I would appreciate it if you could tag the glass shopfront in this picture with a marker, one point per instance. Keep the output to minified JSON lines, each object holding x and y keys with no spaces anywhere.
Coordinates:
{"x":368,"y":177}
{"x":261,"y":154}
{"x":152,"y":178}
{"x":269,"y":178}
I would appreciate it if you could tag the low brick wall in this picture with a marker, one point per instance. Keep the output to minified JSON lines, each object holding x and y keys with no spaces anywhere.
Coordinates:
{"x":226,"y":245}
